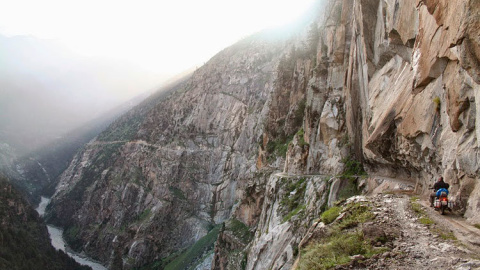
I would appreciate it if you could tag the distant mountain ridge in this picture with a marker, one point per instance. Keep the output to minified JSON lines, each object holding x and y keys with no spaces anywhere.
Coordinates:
{"x":47,"y":90}
{"x":36,"y":173}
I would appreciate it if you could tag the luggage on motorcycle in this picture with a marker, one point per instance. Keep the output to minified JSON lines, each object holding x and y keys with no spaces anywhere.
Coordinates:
{"x":444,"y":202}
{"x":442,"y":190}
{"x":450,"y":204}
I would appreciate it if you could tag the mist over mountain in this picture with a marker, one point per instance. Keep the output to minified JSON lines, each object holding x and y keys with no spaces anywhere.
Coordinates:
{"x":47,"y":90}
{"x":313,"y":146}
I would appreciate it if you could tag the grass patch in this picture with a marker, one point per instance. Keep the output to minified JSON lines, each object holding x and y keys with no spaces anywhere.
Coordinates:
{"x":421,"y":214}
{"x":279,"y":147}
{"x":292,"y":202}
{"x":349,"y":190}
{"x":355,"y":214}
{"x":187,"y":258}
{"x":477,"y":226}
{"x":331,"y":214}
{"x":336,"y":250}
{"x":178,"y":193}
{"x":426,"y":221}
{"x":144,"y":215}
{"x":239,"y":230}
{"x":301,"y":138}
{"x":294,"y":212}
{"x":353,"y":167}
{"x":444,"y":235}
{"x":416,"y":207}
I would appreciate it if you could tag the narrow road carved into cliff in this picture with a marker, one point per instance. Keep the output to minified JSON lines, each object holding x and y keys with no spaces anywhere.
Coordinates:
{"x":416,"y":245}
{"x":419,"y":236}
{"x":464,"y":232}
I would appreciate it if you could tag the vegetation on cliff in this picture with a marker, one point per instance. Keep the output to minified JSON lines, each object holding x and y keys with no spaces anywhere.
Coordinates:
{"x":351,"y":92}
{"x":24,"y":240}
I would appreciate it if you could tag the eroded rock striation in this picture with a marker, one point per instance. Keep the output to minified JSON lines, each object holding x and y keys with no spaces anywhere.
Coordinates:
{"x":256,"y":137}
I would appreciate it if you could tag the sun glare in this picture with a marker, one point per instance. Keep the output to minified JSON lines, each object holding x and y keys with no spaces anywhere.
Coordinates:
{"x":172,"y":35}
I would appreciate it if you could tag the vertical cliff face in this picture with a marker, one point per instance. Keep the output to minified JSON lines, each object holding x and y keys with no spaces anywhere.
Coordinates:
{"x":255,"y":137}
{"x":164,"y":174}
{"x":392,"y":85}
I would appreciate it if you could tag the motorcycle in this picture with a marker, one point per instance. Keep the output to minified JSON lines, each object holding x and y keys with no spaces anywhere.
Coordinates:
{"x":441,"y":202}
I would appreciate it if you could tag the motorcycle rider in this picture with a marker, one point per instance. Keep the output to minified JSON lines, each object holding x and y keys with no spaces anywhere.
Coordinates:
{"x":438,"y":185}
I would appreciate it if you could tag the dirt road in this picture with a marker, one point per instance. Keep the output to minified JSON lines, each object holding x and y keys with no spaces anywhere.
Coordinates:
{"x":464,"y":232}
{"x":419,"y":243}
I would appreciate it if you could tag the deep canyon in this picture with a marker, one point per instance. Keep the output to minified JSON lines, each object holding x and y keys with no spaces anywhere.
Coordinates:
{"x":233,"y":166}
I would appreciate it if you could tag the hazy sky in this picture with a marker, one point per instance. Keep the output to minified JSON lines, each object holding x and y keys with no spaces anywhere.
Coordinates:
{"x":64,"y":62}
{"x":162,"y":36}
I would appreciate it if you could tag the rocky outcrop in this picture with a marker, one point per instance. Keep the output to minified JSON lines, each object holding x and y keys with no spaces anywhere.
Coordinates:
{"x":386,"y":85}
{"x":388,"y":88}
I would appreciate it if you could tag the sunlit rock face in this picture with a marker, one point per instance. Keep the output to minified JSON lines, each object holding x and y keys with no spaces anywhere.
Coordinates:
{"x":160,"y":177}
{"x":391,"y":84}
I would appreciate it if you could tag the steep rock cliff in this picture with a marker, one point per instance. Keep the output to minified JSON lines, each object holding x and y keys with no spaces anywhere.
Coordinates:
{"x":391,"y":85}
{"x":164,"y":174}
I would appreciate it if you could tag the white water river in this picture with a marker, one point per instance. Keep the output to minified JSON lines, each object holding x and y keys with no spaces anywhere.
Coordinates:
{"x":59,"y":243}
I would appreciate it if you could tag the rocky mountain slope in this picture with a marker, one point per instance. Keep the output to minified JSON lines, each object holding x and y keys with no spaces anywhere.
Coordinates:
{"x":274,"y":130}
{"x":36,"y":171}
{"x":25,"y":243}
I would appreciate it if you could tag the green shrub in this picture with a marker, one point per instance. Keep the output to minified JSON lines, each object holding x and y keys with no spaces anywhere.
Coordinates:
{"x":349,"y":190}
{"x":279,"y":147}
{"x":294,"y":212}
{"x":331,"y":214}
{"x":239,"y":229}
{"x":437,"y":102}
{"x":144,"y":215}
{"x":336,"y":250}
{"x":355,"y":214}
{"x":187,"y":258}
{"x":177,"y":193}
{"x":299,"y":113}
{"x":353,"y":167}
{"x":291,"y":202}
{"x":301,"y":138}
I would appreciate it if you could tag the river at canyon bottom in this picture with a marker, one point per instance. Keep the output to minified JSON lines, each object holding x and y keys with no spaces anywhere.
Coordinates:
{"x":56,"y":237}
